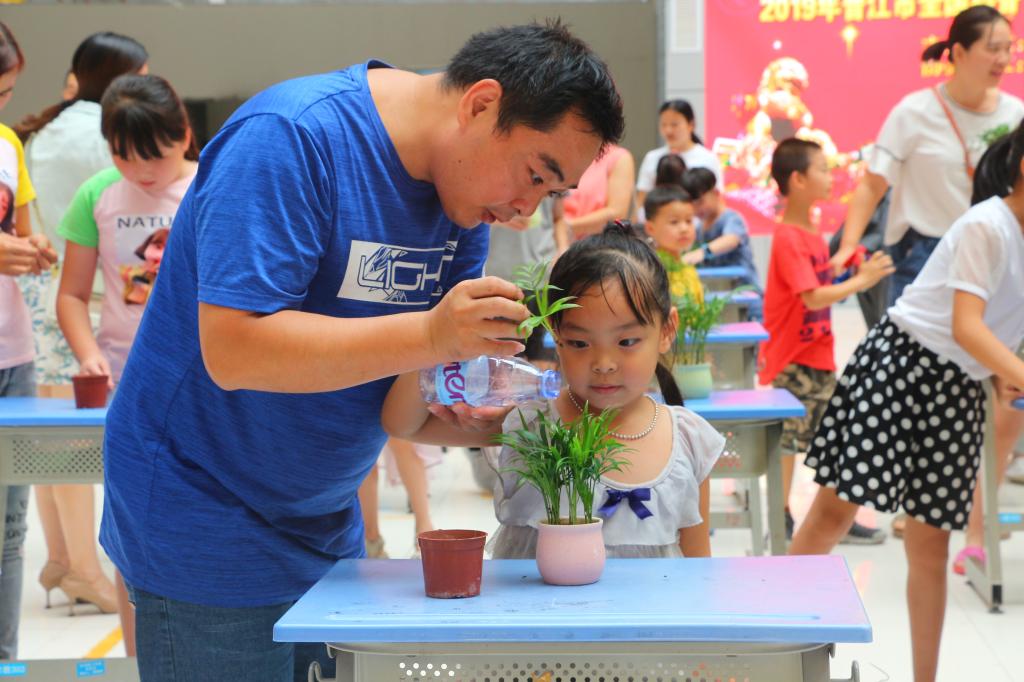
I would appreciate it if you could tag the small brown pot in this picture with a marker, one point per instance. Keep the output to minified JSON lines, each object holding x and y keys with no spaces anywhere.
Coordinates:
{"x":90,"y":390}
{"x":570,"y":554}
{"x":453,"y":562}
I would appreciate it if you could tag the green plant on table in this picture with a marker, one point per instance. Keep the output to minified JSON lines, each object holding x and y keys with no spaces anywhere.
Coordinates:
{"x":532,"y":279}
{"x":696,"y":320}
{"x":556,"y":457}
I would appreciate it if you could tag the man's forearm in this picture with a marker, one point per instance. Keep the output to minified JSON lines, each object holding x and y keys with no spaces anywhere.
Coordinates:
{"x":298,"y":352}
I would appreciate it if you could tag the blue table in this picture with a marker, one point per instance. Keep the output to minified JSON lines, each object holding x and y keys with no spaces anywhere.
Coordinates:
{"x":767,"y":619}
{"x":739,"y":304}
{"x":48,"y":441}
{"x":732,"y":350}
{"x":723,"y":278}
{"x":751,"y":421}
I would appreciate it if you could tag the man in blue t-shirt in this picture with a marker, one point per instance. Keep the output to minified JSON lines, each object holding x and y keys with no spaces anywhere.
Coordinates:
{"x":330,"y":241}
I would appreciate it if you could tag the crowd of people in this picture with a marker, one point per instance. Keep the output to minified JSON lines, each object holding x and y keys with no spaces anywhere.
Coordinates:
{"x":279,"y":351}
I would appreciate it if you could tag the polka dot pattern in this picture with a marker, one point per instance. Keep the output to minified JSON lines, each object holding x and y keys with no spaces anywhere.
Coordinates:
{"x":906,"y":429}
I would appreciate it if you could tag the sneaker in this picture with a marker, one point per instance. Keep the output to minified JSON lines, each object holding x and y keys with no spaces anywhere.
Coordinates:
{"x":1015,"y":472}
{"x":862,"y":535}
{"x":790,"y":524}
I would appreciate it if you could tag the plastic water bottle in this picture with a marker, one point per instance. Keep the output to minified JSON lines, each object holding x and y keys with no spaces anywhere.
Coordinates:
{"x":487,"y":381}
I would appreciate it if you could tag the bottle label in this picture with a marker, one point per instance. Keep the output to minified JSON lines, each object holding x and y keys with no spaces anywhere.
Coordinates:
{"x":450,"y":383}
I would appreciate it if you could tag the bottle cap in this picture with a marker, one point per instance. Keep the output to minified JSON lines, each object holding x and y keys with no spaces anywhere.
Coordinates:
{"x":550,"y":384}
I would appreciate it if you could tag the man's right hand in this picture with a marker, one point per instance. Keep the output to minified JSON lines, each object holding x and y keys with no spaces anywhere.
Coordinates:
{"x":475,"y":318}
{"x":18,"y":256}
{"x":838,"y":261}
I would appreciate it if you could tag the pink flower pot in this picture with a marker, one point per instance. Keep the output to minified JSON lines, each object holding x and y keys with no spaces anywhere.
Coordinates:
{"x":570,"y":554}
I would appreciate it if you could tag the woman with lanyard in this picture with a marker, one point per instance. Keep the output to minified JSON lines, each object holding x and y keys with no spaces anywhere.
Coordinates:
{"x":927,"y":151}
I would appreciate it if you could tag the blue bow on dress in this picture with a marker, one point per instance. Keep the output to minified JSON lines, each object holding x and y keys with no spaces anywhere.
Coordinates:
{"x":636,"y":498}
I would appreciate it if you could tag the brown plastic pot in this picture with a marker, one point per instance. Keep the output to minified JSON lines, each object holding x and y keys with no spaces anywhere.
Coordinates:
{"x":90,"y":390}
{"x":453,"y":562}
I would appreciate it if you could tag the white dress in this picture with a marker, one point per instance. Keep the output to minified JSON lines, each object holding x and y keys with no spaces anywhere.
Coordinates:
{"x":673,"y":498}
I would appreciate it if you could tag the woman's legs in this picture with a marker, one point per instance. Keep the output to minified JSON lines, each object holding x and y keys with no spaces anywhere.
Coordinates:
{"x":369,"y":503}
{"x":413,"y":473}
{"x":49,"y":518}
{"x":927,"y":549}
{"x":826,"y":523}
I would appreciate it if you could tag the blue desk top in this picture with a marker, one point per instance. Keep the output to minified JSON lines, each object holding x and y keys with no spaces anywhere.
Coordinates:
{"x":47,"y":412}
{"x":741,"y":297}
{"x":738,"y":332}
{"x":775,"y":403}
{"x":723,"y":272}
{"x":807,"y":599}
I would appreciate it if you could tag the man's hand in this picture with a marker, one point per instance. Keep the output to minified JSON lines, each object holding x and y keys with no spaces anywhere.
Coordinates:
{"x":474,"y":419}
{"x":838,"y":261}
{"x":474,"y":317}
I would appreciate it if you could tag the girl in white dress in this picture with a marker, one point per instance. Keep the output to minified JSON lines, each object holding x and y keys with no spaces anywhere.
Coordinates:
{"x":611,"y":349}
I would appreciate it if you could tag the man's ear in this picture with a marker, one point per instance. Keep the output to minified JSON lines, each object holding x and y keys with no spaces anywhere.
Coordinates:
{"x":481,"y":99}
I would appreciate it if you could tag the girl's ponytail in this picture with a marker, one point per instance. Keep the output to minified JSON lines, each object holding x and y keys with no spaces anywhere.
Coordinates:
{"x":667,"y":383}
{"x":999,"y":168}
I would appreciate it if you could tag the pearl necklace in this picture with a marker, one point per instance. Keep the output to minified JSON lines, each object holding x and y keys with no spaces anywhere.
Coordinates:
{"x":622,"y":436}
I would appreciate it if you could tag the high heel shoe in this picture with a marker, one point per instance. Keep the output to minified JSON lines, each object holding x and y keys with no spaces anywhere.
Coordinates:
{"x":50,"y":577}
{"x":92,"y":592}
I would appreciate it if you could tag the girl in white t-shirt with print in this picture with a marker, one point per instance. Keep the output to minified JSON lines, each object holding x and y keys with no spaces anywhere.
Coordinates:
{"x":119,"y":219}
{"x":905,"y":428}
{"x":677,"y":126}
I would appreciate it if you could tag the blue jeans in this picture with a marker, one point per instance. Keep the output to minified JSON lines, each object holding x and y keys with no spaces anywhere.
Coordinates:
{"x":15,"y":382}
{"x":909,"y":256}
{"x":183,"y":642}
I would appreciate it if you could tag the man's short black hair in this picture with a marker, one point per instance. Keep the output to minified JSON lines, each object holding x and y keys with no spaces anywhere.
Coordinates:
{"x":545,"y":72}
{"x":663,"y":195}
{"x":792,"y":155}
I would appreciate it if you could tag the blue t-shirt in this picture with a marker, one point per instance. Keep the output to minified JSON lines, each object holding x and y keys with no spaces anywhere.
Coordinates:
{"x":731,"y":222}
{"x":301,"y":202}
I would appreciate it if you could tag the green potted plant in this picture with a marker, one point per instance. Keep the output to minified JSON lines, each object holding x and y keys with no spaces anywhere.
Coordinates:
{"x":696,"y":320}
{"x":564,"y":462}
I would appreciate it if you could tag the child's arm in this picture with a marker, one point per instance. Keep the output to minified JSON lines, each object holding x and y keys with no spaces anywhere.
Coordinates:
{"x":723,"y":244}
{"x":73,"y":308}
{"x":975,"y":337}
{"x":695,"y":541}
{"x":406,"y":415}
{"x":870,"y":272}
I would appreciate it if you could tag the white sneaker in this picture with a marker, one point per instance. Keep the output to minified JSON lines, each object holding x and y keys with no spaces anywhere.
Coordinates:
{"x":1015,"y":472}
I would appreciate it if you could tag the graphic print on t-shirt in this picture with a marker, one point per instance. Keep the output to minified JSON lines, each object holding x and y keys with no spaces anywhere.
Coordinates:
{"x":818,"y":323}
{"x":140,"y":248}
{"x":8,"y":187}
{"x":400,"y":275}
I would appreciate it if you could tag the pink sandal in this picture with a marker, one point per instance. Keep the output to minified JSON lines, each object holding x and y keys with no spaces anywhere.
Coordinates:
{"x":965,"y":553}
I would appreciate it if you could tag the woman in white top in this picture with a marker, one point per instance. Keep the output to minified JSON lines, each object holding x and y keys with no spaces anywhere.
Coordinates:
{"x":63,"y":149}
{"x":677,"y":125}
{"x":905,"y":428}
{"x":929,"y":162}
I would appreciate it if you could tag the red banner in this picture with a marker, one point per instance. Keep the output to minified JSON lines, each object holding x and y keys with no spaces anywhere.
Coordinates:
{"x":825,"y":70}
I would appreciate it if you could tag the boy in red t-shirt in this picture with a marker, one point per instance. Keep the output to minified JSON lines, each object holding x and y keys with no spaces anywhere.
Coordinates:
{"x":799,"y":354}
